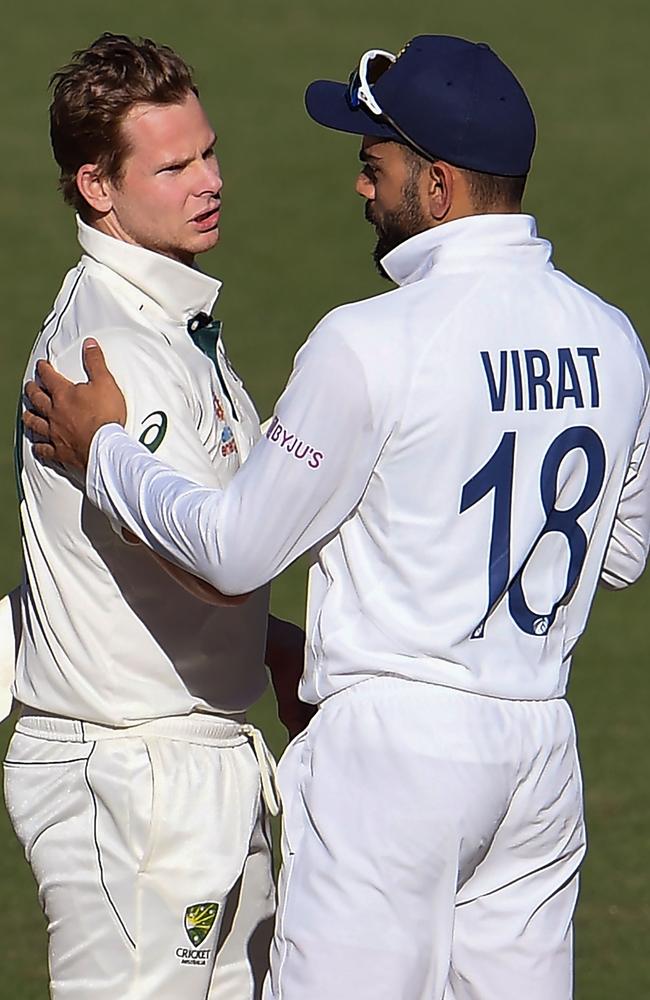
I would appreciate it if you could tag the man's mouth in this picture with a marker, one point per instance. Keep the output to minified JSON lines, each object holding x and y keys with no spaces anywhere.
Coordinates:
{"x":207,"y":220}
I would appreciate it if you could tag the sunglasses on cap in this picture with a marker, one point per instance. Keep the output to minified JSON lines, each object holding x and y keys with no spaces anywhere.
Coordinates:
{"x":372,"y":65}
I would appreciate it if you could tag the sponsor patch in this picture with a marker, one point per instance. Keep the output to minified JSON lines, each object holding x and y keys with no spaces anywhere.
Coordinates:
{"x":154,"y":431}
{"x":293,"y":445}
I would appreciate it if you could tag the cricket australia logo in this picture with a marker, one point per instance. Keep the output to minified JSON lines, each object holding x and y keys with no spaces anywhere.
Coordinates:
{"x":198,"y":922}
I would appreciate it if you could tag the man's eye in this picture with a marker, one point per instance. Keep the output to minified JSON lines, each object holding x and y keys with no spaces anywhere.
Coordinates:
{"x":209,"y":153}
{"x":369,"y":172}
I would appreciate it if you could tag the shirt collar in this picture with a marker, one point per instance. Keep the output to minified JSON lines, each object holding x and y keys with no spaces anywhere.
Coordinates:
{"x":180,"y":291}
{"x":490,"y":237}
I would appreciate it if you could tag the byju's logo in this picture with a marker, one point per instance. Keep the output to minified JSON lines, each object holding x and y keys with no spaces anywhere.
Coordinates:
{"x":293,"y":445}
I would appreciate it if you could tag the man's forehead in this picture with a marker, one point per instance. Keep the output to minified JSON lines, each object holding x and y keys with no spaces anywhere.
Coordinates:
{"x":152,"y":115}
{"x":373,"y":148}
{"x":171,"y":122}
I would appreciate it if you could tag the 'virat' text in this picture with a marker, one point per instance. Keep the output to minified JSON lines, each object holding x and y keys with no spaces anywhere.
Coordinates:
{"x":536,"y":380}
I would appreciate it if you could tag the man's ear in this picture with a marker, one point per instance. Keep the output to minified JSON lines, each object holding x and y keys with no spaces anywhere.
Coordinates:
{"x":440,"y":189}
{"x":94,"y":188}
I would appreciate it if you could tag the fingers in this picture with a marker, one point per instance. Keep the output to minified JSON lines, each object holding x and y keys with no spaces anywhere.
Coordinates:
{"x":39,"y":400}
{"x":93,"y":360}
{"x":50,"y":378}
{"x":107,"y":389}
{"x":35,"y":420}
{"x":45,"y":452}
{"x":37,"y":426}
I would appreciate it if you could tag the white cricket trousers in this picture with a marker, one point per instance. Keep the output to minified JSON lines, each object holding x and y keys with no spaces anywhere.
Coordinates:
{"x":431,"y":845}
{"x":151,"y":852}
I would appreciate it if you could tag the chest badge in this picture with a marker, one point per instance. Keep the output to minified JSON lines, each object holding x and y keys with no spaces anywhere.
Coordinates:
{"x":228,"y":443}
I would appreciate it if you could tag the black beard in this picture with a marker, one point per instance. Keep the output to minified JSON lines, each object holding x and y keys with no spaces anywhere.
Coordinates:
{"x":397,"y":226}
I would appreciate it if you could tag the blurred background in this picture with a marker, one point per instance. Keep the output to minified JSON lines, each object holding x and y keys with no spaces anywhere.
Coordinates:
{"x":293,"y":245}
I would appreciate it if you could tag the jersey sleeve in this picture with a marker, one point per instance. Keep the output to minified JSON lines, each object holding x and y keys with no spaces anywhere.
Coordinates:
{"x":627,"y":550}
{"x":299,"y":484}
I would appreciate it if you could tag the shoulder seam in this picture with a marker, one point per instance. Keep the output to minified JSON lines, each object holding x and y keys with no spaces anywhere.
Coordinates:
{"x":63,"y":311}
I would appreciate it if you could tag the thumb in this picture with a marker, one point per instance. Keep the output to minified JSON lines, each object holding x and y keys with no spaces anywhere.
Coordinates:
{"x":93,"y":360}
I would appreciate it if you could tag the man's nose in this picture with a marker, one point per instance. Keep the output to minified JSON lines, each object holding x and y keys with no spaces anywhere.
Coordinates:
{"x":364,"y":186}
{"x":211,"y":175}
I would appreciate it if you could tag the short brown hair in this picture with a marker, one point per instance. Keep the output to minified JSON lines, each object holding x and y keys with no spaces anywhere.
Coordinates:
{"x":93,"y":94}
{"x":487,"y":191}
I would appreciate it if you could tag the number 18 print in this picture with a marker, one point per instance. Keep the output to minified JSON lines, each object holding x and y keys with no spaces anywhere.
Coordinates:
{"x":498,"y":475}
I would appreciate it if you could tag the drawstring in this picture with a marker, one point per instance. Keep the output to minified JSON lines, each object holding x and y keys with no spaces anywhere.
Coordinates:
{"x":267,"y":768}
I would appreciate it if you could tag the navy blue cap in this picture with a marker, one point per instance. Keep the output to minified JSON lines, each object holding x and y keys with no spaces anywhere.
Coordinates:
{"x":454,"y":99}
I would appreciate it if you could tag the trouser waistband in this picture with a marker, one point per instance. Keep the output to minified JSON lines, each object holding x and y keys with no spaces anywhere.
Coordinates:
{"x":207,"y":728}
{"x":200,"y":728}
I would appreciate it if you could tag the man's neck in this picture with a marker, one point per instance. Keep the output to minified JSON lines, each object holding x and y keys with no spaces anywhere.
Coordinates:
{"x":466,"y":211}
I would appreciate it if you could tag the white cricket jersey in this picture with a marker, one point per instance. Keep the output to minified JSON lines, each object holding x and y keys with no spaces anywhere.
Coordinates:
{"x":107,"y":635}
{"x":467,"y":455}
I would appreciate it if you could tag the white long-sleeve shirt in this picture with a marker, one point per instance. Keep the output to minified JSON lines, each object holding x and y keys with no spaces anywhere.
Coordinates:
{"x":465,"y":456}
{"x":107,"y":636}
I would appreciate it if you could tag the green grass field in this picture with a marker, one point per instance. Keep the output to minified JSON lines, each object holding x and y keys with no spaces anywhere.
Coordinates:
{"x":295,"y":244}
